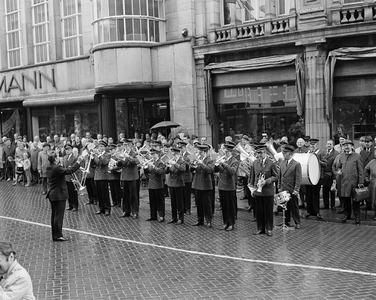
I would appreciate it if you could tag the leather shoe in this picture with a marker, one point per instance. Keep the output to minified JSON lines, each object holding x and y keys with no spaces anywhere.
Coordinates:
{"x":69,"y":208}
{"x":225,"y":227}
{"x":209,"y":225}
{"x":74,"y":209}
{"x":254,"y":220}
{"x":44,"y":193}
{"x":259,"y":232}
{"x":89,"y":203}
{"x":324,"y":207}
{"x":150,"y":219}
{"x":107,"y":213}
{"x":198,"y":224}
{"x":124,"y":215}
{"x":161,"y":219}
{"x":307,"y":215}
{"x":269,"y":233}
{"x":231,"y":227}
{"x":188,"y":212}
{"x":178,"y":222}
{"x":344,"y":219}
{"x":297,"y":226}
{"x":98,"y":212}
{"x":61,"y":239}
{"x":172,"y":221}
{"x":135,"y":216}
{"x":318,"y":216}
{"x":341,"y":211}
{"x":357,"y":221}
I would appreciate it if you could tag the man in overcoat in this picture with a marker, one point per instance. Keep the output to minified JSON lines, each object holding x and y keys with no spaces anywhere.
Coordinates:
{"x":329,"y":176}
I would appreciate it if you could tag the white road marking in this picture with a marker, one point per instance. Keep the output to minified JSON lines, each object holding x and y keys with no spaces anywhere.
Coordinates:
{"x":198,"y":252}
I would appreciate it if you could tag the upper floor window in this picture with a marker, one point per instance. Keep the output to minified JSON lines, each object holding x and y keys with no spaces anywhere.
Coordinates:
{"x":242,"y":10}
{"x":40,"y":31}
{"x":253,"y":9}
{"x":283,"y":7}
{"x":72,"y":28}
{"x":13,"y":33}
{"x":129,"y":20}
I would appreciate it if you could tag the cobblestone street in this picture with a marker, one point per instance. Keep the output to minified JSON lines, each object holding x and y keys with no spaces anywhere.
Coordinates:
{"x":123,"y":258}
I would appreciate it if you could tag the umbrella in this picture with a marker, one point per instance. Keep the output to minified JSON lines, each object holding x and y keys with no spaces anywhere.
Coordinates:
{"x":165,"y":124}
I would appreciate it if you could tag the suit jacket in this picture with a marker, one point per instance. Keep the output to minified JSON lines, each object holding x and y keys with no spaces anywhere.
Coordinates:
{"x":101,"y":170}
{"x":367,"y":156}
{"x":290,"y":176}
{"x":270,"y":171}
{"x":156,"y":176}
{"x":68,"y":163}
{"x":57,"y":185}
{"x":34,"y":158}
{"x":129,"y":171}
{"x":176,"y":171}
{"x":227,"y":174}
{"x":202,"y":179}
{"x":328,"y":172}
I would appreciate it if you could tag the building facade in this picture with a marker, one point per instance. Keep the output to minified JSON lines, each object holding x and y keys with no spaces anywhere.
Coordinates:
{"x":217,"y":67}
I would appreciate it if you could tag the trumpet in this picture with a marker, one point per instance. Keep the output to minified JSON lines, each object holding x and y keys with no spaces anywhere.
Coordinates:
{"x":260,"y":182}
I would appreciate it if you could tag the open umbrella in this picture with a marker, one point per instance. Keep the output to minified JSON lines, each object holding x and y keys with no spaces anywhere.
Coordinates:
{"x":165,"y":124}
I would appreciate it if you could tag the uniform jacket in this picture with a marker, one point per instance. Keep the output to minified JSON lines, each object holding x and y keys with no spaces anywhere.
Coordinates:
{"x":328,"y":172}
{"x":101,"y":170}
{"x":43,"y":163}
{"x":290,"y":176}
{"x":16,"y":284}
{"x":351,"y":173}
{"x":202,"y":179}
{"x":367,"y":156}
{"x":227,"y":174}
{"x":57,"y":185}
{"x":156,"y":176}
{"x":68,"y":163}
{"x":129,"y":171}
{"x":176,"y":171}
{"x":270,"y":171}
{"x":187,"y":173}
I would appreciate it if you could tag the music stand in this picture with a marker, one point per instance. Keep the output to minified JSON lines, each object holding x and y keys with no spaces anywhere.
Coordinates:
{"x":281,"y":200}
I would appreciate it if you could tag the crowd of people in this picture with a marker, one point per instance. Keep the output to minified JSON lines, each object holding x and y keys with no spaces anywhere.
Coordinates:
{"x":110,"y":174}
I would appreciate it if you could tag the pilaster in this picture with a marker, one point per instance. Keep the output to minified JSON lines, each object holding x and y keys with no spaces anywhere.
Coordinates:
{"x":108,"y":116}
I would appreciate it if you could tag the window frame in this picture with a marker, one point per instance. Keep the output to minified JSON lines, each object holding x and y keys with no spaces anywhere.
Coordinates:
{"x":44,"y":24}
{"x":78,"y":36}
{"x":8,"y":33}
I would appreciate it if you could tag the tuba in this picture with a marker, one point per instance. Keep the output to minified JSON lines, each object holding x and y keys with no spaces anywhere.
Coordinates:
{"x":277,"y":156}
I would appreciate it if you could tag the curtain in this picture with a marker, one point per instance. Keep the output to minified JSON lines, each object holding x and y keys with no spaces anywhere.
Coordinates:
{"x":350,"y":53}
{"x":13,"y":122}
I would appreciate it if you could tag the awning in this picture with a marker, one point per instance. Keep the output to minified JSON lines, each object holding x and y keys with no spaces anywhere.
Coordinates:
{"x":350,"y":53}
{"x":76,"y":97}
{"x":260,"y":63}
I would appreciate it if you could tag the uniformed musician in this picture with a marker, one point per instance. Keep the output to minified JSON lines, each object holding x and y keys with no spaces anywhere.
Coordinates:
{"x":114,"y":176}
{"x":187,"y":177}
{"x":227,"y":167}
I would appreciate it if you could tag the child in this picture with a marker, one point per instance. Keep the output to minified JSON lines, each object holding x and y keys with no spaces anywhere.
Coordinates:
{"x":19,"y":172}
{"x":27,"y":168}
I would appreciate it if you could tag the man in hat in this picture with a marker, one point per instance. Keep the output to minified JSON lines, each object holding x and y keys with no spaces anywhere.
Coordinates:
{"x":68,"y":161}
{"x":263,"y":176}
{"x":58,"y":193}
{"x":313,"y":191}
{"x":331,"y":154}
{"x":101,"y":177}
{"x":307,"y":138}
{"x":155,"y":171}
{"x":176,"y":168}
{"x":9,"y":151}
{"x":15,"y":280}
{"x":289,"y":179}
{"x":227,"y":186}
{"x":367,"y":154}
{"x":128,"y":178}
{"x":42,"y":166}
{"x":187,"y":177}
{"x":202,"y":183}
{"x":349,"y":168}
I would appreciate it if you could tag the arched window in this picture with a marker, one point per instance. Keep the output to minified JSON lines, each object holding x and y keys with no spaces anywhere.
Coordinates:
{"x":129,"y":20}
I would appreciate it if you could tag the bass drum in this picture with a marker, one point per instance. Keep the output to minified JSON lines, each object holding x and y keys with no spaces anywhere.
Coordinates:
{"x":311,"y":169}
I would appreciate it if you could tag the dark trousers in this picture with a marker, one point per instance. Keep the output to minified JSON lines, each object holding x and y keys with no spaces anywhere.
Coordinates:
{"x":73,"y":197}
{"x":212,"y":197}
{"x":9,"y":169}
{"x":57,"y":218}
{"x":91,"y":190}
{"x":115,"y":191}
{"x":253,"y":205}
{"x":187,"y":196}
{"x":313,"y":199}
{"x":347,"y":202}
{"x":35,"y":176}
{"x":130,"y":199}
{"x":44,"y":184}
{"x":103,"y":196}
{"x":157,"y":203}
{"x":326,"y":192}
{"x":302,"y":194}
{"x":292,"y":210}
{"x":228,"y":199}
{"x":265,"y":205}
{"x":204,"y":209}
{"x":2,"y":173}
{"x":177,"y":202}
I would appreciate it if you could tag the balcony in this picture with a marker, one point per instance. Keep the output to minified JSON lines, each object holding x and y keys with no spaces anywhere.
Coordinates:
{"x":353,"y":13}
{"x":256,"y":29}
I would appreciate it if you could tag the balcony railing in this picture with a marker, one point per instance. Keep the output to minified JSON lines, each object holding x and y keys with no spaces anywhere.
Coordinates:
{"x":256,"y":29}
{"x":353,"y":13}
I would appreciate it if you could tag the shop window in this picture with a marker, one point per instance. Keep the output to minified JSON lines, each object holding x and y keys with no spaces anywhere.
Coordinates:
{"x":72,"y":28}
{"x":129,"y":20}
{"x":41,"y":40}
{"x":13,"y":33}
{"x":255,"y":110}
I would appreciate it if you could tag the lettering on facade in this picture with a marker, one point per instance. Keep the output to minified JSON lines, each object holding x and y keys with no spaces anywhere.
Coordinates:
{"x":312,"y":9}
{"x":20,"y":82}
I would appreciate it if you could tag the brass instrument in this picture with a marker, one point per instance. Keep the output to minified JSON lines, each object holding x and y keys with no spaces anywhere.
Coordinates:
{"x":77,"y":184}
{"x":244,"y":154}
{"x":276,"y":156}
{"x":260,"y":182}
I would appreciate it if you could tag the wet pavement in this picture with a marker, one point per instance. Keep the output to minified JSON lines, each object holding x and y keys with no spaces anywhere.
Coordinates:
{"x":123,"y":258}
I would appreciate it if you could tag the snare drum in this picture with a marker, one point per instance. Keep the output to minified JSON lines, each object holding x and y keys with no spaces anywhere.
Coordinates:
{"x":311,"y":169}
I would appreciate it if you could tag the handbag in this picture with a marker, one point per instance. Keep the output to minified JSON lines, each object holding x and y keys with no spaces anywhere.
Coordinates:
{"x":361,"y":194}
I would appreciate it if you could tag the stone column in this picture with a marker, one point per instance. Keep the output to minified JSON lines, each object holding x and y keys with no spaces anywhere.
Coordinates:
{"x":316,"y":123}
{"x":108,"y":116}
